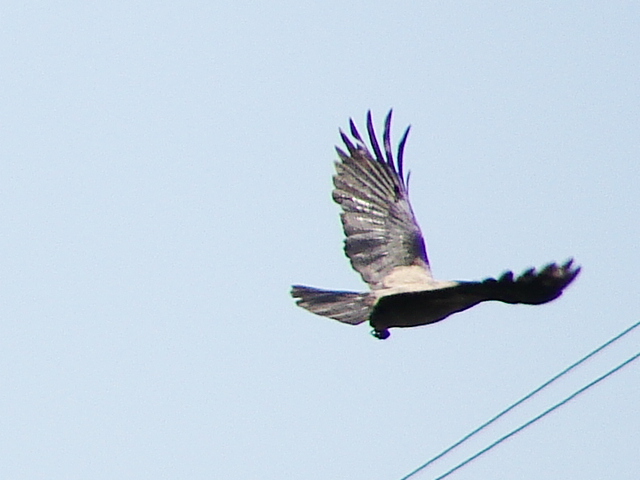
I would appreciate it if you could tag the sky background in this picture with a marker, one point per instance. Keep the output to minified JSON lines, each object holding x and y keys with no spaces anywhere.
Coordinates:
{"x":165,"y":176}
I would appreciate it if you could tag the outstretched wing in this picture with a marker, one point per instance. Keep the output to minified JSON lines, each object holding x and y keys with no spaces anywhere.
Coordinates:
{"x":531,"y":287}
{"x":381,"y":231}
{"x":410,"y":309}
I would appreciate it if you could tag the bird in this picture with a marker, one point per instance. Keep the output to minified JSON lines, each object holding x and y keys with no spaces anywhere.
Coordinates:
{"x":385,"y":246}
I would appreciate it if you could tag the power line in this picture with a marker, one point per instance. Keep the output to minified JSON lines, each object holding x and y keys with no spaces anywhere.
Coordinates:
{"x":535,"y":419}
{"x":523,"y":399}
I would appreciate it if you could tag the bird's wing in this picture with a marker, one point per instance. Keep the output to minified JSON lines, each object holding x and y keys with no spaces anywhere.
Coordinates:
{"x":531,"y":287}
{"x":381,"y":231}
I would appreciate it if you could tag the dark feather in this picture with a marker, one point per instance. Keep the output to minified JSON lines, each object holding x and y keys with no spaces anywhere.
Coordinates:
{"x":373,"y":139}
{"x":387,"y":140}
{"x":401,"y":145}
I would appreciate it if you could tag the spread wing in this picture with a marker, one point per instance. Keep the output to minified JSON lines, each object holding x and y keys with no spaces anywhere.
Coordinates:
{"x":531,"y":287}
{"x":380,"y":228}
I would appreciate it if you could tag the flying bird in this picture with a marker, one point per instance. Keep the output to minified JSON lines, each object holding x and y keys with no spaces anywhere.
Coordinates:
{"x":385,"y":246}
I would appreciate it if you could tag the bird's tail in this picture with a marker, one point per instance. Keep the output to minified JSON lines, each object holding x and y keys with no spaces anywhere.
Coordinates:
{"x":346,"y":307}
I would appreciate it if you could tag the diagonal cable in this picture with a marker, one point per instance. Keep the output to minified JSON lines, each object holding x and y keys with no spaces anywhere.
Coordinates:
{"x":535,"y":419}
{"x":522,"y":400}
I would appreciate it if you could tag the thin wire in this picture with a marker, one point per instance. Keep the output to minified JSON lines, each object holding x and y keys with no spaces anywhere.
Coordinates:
{"x":546,"y":412}
{"x":522,"y":400}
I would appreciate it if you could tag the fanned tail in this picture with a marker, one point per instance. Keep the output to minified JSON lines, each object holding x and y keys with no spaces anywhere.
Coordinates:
{"x":346,"y":307}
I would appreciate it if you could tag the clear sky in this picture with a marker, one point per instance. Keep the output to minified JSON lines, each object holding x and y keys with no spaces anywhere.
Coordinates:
{"x":165,"y":176}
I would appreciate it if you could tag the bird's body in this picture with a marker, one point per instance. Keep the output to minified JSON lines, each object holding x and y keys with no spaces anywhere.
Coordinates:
{"x":385,"y":245}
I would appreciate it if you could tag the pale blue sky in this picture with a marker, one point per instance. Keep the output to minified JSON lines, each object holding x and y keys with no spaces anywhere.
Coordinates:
{"x":165,"y":177}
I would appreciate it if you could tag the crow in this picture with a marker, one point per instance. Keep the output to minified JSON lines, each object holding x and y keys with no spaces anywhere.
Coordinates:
{"x":385,"y":246}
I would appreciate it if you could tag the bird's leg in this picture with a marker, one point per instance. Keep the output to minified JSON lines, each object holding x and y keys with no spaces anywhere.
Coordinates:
{"x":381,"y":334}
